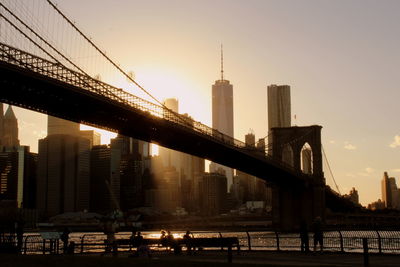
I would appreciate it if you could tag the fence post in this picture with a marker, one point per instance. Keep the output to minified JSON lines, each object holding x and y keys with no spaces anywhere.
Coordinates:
{"x":82,"y":240}
{"x":220,"y":236}
{"x":341,"y":241}
{"x":248,"y":240}
{"x":277,"y":241}
{"x":229,"y":254}
{"x":365,"y":248}
{"x":379,"y":242}
{"x":25,"y":247}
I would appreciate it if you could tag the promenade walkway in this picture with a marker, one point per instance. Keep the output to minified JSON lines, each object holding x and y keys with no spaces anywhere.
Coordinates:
{"x":205,"y":258}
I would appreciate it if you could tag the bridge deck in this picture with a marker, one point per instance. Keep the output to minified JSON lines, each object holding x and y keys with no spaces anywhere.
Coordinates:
{"x":40,"y":85}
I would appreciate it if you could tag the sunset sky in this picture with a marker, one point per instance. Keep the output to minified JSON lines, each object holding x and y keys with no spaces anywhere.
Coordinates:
{"x":341,"y":59}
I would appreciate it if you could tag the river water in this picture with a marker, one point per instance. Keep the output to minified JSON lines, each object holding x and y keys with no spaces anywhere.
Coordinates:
{"x":349,"y":241}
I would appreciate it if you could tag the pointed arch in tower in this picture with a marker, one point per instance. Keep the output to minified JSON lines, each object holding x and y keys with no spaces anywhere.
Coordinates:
{"x":306,"y":159}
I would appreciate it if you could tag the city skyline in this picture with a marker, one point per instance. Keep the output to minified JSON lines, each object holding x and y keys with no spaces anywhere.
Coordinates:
{"x":342,"y":78}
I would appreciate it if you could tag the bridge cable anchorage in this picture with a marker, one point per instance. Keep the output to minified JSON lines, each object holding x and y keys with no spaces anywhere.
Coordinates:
{"x":329,"y":167}
{"x":39,"y":46}
{"x":179,"y":116}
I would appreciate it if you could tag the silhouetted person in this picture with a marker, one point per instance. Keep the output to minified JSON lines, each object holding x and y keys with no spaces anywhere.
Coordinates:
{"x":19,"y":231}
{"x":143,"y":249}
{"x":304,"y":237}
{"x":109,"y":231}
{"x":163,"y":238}
{"x":71,"y":248}
{"x":187,"y":239}
{"x":170,"y":239}
{"x":318,"y":234}
{"x":64,"y":238}
{"x":132,"y":239}
{"x":139,"y":239}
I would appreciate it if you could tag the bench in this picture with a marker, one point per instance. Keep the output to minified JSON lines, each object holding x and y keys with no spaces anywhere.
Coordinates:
{"x":191,"y":243}
{"x":214,"y":242}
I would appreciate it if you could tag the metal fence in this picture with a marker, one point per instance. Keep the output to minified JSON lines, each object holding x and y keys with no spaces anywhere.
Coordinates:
{"x":334,"y":241}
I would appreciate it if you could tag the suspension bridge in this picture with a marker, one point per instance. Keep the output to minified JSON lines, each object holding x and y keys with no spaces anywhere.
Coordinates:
{"x":44,"y":69}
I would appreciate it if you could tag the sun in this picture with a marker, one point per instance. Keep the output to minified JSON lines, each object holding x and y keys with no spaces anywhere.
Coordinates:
{"x":163,"y":83}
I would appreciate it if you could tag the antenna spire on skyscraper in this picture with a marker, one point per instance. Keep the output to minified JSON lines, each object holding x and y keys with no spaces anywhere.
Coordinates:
{"x":222,"y":63}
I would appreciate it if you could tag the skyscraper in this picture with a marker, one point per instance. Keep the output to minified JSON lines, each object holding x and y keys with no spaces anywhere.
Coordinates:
{"x":60,"y":126}
{"x":186,"y":166}
{"x":390,"y":192}
{"x":131,"y":167}
{"x":10,"y":129}
{"x":222,"y":114}
{"x":63,"y":169}
{"x":17,"y":164}
{"x":169,"y":157}
{"x":1,"y":124}
{"x":93,"y":136}
{"x":212,"y":187}
{"x":386,"y":192}
{"x":279,"y":114}
{"x":104,"y":179}
{"x":279,"y":106}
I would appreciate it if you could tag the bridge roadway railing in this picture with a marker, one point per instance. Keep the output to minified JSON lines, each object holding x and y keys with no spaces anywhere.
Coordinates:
{"x":57,"y":71}
{"x":382,"y":242}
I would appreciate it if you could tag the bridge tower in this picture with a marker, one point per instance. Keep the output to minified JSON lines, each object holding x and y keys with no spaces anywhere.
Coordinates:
{"x":292,"y":203}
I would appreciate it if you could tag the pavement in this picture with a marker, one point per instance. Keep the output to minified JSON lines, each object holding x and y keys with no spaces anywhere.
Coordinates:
{"x":304,"y":259}
{"x":203,"y":258}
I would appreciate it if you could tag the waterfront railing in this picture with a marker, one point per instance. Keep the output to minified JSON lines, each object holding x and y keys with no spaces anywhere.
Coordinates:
{"x":334,"y":241}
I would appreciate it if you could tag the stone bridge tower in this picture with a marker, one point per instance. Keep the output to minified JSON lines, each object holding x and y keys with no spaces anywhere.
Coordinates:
{"x":305,"y":200}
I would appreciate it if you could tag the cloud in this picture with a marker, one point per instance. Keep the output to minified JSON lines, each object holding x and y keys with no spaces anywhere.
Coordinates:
{"x":39,"y":134}
{"x":369,"y":170}
{"x":365,"y":173}
{"x":396,"y":141}
{"x":349,"y":146}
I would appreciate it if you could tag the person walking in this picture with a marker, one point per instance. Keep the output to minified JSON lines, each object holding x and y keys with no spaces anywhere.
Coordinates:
{"x":188,"y":242}
{"x":64,"y":238}
{"x":318,"y":234}
{"x":109,"y":230}
{"x":19,"y":231}
{"x":304,"y":246}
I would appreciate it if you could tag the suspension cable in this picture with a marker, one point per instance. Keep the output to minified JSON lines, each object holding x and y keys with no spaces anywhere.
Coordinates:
{"x":41,"y":48}
{"x":179,"y":116}
{"x":30,"y":39}
{"x":101,"y":52}
{"x":43,"y":40}
{"x":330,"y":170}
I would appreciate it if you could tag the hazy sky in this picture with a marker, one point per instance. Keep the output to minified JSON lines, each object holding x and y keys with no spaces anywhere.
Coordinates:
{"x":341,"y":59}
